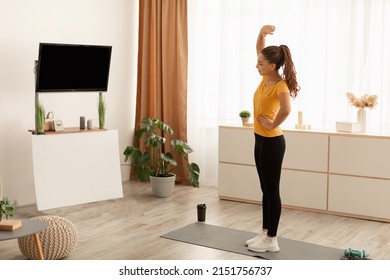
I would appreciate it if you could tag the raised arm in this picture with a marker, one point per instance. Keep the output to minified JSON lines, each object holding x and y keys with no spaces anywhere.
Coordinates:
{"x":264,"y":31}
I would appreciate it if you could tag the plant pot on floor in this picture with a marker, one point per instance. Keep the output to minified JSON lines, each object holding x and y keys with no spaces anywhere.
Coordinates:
{"x":162,"y":186}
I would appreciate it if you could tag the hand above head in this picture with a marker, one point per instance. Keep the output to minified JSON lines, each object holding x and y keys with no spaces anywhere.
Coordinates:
{"x":264,"y":31}
{"x":267,"y":30}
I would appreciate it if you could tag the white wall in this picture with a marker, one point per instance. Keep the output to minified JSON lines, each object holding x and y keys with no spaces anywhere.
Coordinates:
{"x":24,"y":24}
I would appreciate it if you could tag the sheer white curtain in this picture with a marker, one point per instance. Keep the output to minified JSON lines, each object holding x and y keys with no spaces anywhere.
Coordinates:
{"x":338,"y":46}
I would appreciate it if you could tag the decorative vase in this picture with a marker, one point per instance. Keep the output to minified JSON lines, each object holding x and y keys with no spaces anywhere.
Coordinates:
{"x":361,"y":119}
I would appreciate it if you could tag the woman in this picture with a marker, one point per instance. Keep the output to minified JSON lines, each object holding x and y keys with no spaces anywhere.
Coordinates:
{"x":271,"y":106}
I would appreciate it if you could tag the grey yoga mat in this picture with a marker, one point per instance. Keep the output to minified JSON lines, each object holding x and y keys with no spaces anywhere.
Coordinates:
{"x":233,"y":240}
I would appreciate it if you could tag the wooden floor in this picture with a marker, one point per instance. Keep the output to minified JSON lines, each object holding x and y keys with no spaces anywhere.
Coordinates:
{"x":130,"y":228}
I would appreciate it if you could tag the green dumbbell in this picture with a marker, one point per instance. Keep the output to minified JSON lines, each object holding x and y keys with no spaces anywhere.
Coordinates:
{"x":355,"y":253}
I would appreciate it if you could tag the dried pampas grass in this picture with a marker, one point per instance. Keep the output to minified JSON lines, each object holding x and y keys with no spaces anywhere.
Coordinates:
{"x":366,"y":101}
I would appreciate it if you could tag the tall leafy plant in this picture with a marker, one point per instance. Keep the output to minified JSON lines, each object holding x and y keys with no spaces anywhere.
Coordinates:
{"x":102,"y":111}
{"x":157,"y":158}
{"x":39,"y":117}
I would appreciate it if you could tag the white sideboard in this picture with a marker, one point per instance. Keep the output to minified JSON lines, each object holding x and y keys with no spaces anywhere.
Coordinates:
{"x":77,"y":167}
{"x":337,"y":173}
{"x":359,"y":175}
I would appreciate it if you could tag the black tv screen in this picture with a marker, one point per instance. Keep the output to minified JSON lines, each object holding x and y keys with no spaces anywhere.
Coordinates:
{"x":70,"y":67}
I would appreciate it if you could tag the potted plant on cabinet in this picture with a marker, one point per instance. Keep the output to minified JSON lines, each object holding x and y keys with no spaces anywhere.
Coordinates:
{"x":102,"y":111}
{"x":245,"y":115}
{"x":156,"y":162}
{"x":39,"y":118}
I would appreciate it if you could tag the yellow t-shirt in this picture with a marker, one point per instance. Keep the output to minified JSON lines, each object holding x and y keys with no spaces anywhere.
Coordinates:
{"x":266,"y":102}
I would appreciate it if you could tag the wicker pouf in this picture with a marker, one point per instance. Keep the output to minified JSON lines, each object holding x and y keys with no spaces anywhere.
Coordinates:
{"x":58,"y":240}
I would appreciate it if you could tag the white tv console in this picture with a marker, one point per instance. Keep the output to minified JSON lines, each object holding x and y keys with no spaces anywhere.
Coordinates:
{"x":76,"y":166}
{"x":338,"y":173}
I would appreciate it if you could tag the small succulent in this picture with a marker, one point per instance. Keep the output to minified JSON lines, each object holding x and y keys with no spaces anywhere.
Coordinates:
{"x":245,"y":114}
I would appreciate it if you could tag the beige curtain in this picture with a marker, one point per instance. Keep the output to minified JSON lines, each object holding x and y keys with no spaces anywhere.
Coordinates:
{"x":162,"y":66}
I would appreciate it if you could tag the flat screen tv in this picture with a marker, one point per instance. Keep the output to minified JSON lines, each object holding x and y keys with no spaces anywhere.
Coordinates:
{"x":72,"y":68}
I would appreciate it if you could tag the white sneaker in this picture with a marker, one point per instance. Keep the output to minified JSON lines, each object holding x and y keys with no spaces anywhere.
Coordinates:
{"x":267,"y":244}
{"x":255,"y":239}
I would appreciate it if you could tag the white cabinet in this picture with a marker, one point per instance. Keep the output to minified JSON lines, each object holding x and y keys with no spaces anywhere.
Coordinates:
{"x":237,"y":176}
{"x":304,"y":171}
{"x":75,"y":168}
{"x":303,"y":181}
{"x":359,"y":181}
{"x":331,"y":172}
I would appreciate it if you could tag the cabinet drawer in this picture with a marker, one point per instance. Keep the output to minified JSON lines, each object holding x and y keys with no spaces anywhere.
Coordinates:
{"x":239,"y":182}
{"x":367,"y":157}
{"x":236,"y":145}
{"x":360,"y":196}
{"x":305,"y":151}
{"x":304,"y":189}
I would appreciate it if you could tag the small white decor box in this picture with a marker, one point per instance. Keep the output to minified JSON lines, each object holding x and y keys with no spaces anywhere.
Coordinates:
{"x":347,"y":127}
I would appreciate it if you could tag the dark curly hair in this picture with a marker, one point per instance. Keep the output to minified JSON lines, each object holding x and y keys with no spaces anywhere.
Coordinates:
{"x":281,"y":56}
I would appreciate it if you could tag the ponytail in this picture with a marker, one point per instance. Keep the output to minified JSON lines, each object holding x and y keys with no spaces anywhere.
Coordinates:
{"x":289,"y":73}
{"x":281,"y":56}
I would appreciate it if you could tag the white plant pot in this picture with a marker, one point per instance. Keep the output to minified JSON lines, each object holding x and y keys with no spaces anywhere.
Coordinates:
{"x":162,"y":186}
{"x":244,"y":120}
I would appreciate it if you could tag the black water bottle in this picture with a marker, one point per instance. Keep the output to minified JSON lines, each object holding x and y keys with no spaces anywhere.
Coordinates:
{"x":201,"y":212}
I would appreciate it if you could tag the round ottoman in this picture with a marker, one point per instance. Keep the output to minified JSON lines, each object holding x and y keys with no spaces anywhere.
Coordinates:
{"x":58,"y":240}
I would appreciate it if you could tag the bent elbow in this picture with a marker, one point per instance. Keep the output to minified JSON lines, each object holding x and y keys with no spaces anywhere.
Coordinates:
{"x":285,"y":111}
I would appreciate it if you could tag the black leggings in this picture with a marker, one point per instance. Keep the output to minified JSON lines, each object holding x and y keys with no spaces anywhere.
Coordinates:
{"x":269,"y":153}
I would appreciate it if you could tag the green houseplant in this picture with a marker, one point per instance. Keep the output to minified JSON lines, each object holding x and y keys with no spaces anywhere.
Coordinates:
{"x":245,"y":115}
{"x":102,"y":111}
{"x":157,"y":158}
{"x":6,"y":208}
{"x":39,"y":118}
